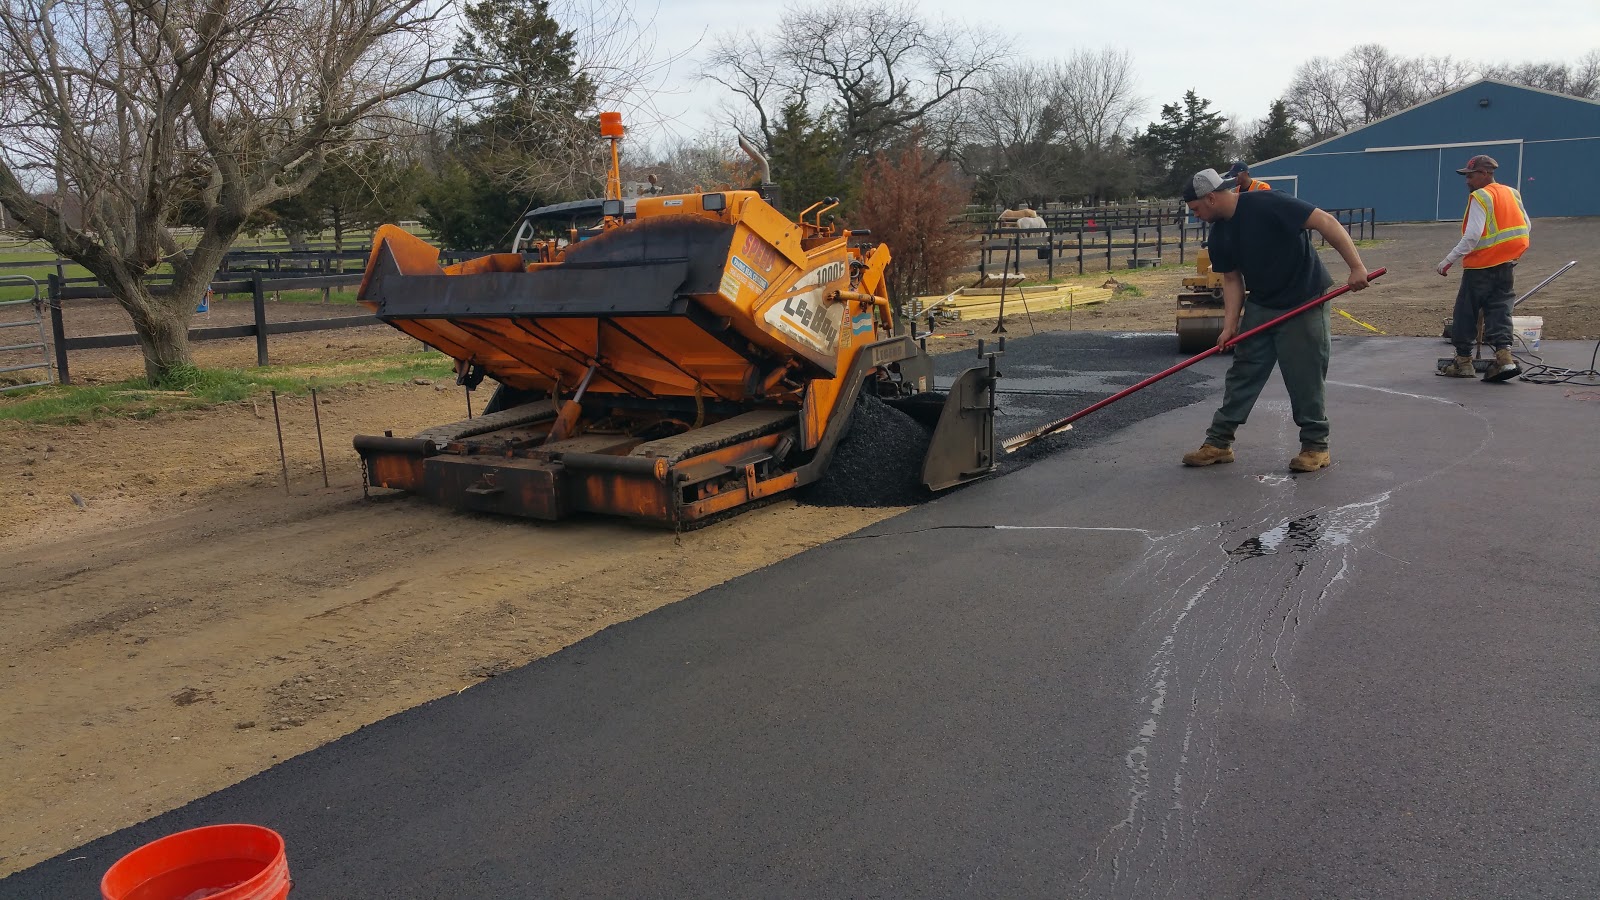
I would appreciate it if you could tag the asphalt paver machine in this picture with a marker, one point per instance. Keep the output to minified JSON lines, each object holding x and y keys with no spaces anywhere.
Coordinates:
{"x":692,"y":354}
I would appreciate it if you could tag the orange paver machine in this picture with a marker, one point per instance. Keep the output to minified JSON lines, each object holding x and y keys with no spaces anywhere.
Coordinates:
{"x":691,"y":355}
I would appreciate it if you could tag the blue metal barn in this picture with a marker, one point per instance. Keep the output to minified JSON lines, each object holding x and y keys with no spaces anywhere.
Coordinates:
{"x":1404,"y":165}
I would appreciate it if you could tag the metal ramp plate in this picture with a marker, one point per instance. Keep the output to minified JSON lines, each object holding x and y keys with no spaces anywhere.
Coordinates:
{"x":722,"y":434}
{"x":526,"y":414}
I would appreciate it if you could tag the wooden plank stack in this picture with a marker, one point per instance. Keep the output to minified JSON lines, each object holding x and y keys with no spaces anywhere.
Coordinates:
{"x":969,"y":304}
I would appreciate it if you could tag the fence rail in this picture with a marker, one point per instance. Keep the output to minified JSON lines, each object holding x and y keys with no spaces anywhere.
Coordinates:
{"x":1102,"y":240}
{"x":256,"y":285}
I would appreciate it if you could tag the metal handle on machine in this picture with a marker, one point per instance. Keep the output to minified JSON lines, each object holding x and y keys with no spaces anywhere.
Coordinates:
{"x":1559,"y":272}
{"x":1014,"y":444}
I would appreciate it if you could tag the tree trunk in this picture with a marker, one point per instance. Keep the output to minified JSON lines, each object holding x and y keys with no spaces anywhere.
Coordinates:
{"x":162,"y":324}
{"x":296,"y":237}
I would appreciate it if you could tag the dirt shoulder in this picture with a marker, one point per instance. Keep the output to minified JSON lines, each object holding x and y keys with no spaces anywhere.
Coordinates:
{"x":189,"y":624}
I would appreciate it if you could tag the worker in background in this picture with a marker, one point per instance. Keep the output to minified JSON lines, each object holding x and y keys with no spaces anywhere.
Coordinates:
{"x":1261,"y":240}
{"x":1494,"y":234}
{"x":1242,"y":179}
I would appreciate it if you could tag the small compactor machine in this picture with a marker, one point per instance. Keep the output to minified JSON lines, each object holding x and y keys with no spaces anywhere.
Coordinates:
{"x":692,"y":355}
{"x":1200,"y":310}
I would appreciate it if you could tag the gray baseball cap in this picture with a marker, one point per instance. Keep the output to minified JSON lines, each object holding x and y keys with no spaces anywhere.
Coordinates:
{"x":1204,"y":182}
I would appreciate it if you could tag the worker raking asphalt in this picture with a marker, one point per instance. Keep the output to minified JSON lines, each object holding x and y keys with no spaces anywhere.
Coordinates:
{"x":1044,"y":377}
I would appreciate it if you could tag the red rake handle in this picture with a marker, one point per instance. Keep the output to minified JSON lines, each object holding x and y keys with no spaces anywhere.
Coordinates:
{"x":1014,"y":444}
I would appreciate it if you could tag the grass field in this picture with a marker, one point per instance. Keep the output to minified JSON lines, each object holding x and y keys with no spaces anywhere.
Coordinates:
{"x":74,"y":405}
{"x":14,"y":252}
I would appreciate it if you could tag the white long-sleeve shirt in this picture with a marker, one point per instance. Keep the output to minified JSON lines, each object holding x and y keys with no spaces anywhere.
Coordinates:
{"x":1469,"y":239}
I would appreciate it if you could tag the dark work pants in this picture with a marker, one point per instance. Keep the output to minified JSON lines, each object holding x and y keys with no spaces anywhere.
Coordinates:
{"x":1487,"y":291}
{"x":1300,"y":349}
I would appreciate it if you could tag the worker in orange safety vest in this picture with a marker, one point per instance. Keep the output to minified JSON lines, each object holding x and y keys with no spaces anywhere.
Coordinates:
{"x":1494,"y":234}
{"x":1243,"y":182}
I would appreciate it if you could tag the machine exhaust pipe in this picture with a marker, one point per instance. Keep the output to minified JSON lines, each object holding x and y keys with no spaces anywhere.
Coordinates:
{"x":769,"y":191}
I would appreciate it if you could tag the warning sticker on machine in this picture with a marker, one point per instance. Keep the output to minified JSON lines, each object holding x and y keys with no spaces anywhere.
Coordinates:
{"x":806,"y":316}
{"x":744,"y":269}
{"x":729,"y":287}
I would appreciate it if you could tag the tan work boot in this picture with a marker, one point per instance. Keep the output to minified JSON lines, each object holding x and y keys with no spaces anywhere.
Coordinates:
{"x":1461,"y":367}
{"x":1208,"y":455}
{"x":1504,"y":367}
{"x":1310,"y":460}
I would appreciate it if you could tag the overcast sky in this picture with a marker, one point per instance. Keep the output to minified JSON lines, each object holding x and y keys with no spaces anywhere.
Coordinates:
{"x":1174,"y":48}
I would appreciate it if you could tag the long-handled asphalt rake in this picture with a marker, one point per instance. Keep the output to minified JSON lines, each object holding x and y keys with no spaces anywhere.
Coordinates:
{"x":1014,"y":444}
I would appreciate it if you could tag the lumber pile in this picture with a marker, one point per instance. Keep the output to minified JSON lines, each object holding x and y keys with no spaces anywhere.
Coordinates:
{"x":968,"y":304}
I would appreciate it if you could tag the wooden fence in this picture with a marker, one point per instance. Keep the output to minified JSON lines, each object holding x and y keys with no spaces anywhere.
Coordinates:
{"x":1100,"y":240}
{"x":242,"y":272}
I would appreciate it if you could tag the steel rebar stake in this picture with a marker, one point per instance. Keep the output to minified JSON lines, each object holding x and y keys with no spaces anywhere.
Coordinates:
{"x":283,"y":460}
{"x":316,"y":413}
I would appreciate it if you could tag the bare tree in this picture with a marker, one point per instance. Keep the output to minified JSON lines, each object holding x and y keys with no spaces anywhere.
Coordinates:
{"x":1435,"y":75}
{"x":1331,"y":96}
{"x":706,"y":161}
{"x":1378,"y":82}
{"x":1041,"y":130}
{"x":149,"y":108}
{"x":1579,"y":79}
{"x":1317,"y":98}
{"x":1097,"y":96}
{"x":760,"y":81}
{"x":877,"y":68}
{"x":1011,"y":121}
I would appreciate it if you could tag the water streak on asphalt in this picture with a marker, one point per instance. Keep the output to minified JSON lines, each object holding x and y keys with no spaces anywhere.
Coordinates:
{"x":1233,"y":600}
{"x":1239,"y":596}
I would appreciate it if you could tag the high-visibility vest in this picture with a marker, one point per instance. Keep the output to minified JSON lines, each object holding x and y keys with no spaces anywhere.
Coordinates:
{"x":1505,"y":226}
{"x":1256,"y":184}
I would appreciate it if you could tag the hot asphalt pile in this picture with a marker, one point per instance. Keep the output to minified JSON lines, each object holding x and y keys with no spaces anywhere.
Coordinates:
{"x":878,"y":461}
{"x":1044,"y":377}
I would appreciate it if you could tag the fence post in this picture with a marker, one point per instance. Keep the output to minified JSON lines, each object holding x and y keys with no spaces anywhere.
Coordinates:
{"x":1135,"y":245}
{"x":1050,"y":255}
{"x":1080,"y":247}
{"x":1109,"y":241}
{"x":1158,"y":242}
{"x":1016,"y":256}
{"x":259,"y":301}
{"x":58,"y":328}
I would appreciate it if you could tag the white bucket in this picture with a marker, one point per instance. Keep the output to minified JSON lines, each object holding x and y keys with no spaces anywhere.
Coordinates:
{"x":1527,"y":330}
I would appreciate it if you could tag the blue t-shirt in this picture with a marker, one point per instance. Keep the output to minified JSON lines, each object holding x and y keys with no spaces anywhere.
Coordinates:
{"x":1266,"y":241}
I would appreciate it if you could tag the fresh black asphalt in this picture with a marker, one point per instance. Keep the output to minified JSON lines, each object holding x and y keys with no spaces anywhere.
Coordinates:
{"x":1103,"y":675}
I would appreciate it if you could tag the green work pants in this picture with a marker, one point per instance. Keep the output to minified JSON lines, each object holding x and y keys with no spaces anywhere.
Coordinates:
{"x":1300,"y":348}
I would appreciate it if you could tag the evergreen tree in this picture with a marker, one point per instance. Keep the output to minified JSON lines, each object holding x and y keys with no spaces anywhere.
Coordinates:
{"x":532,"y":139}
{"x":1188,"y":138}
{"x":526,"y":65}
{"x":1276,"y":136}
{"x":355,"y":190}
{"x":804,"y":154}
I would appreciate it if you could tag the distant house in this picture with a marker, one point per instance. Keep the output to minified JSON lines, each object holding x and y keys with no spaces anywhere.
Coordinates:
{"x":1404,"y":165}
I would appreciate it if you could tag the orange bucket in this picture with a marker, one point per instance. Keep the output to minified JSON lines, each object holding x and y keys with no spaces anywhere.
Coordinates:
{"x":217,"y":862}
